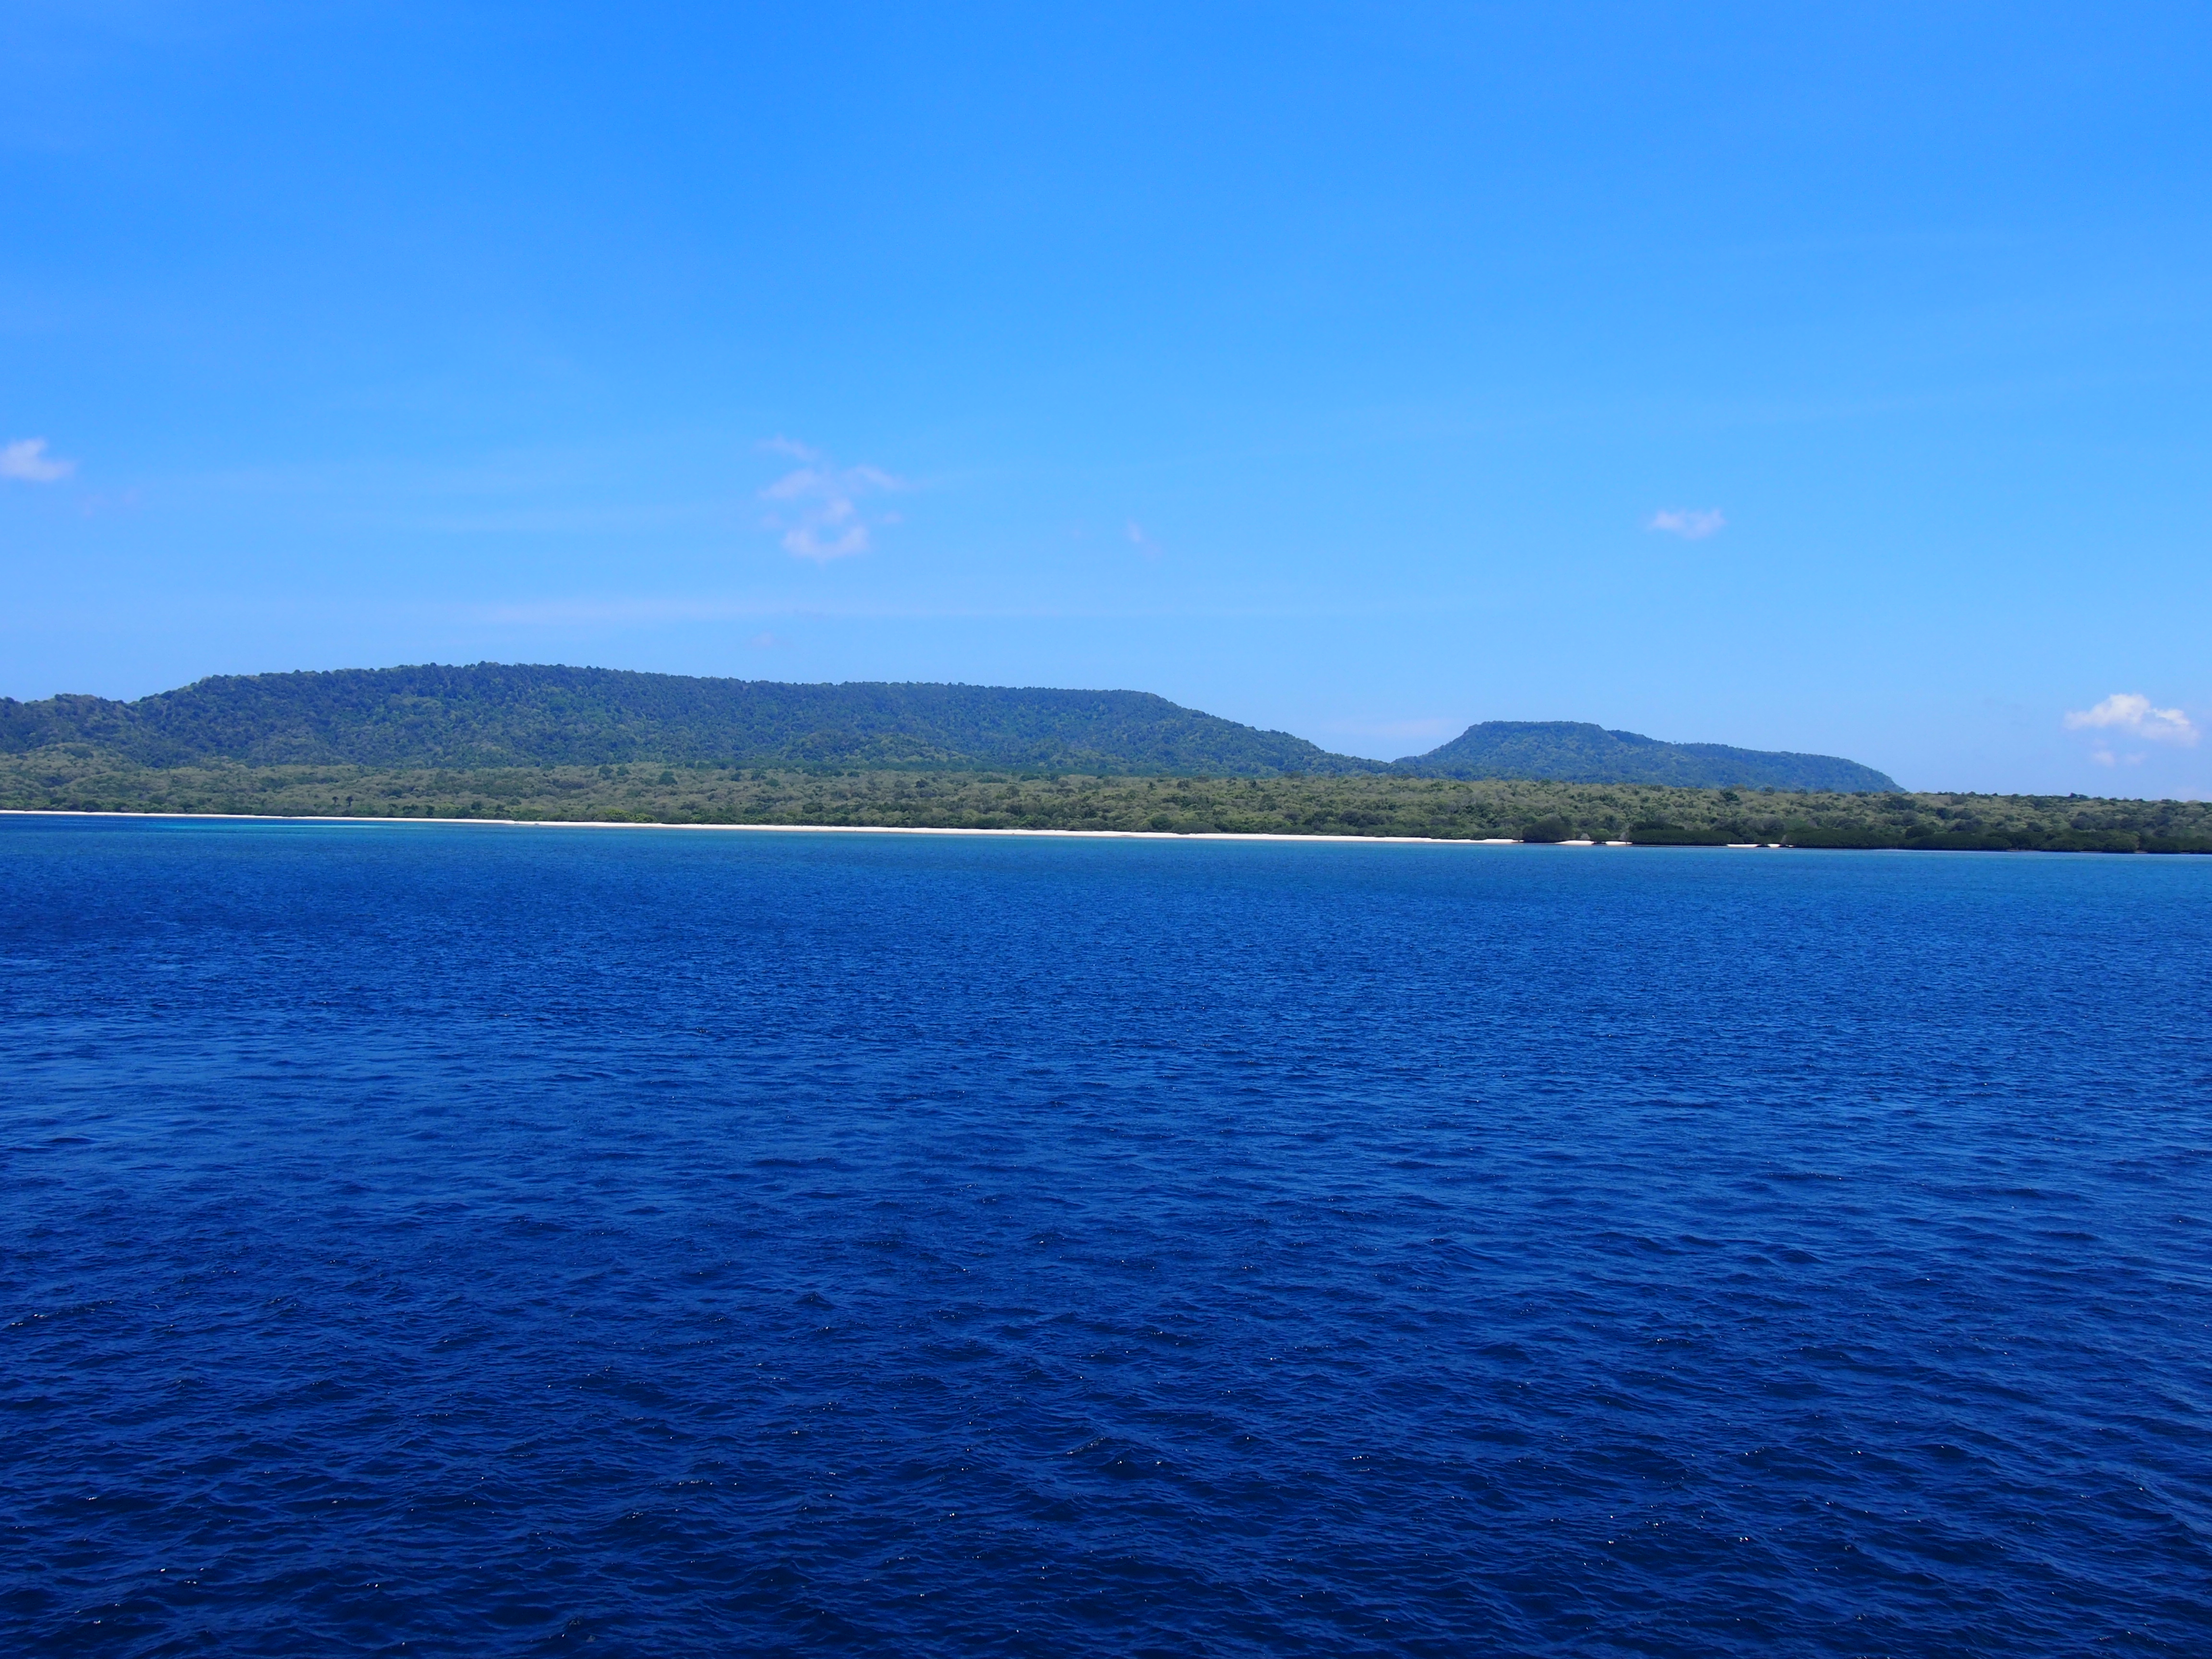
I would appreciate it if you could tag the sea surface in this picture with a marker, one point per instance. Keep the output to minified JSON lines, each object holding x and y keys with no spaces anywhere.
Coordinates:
{"x":476,"y":1240}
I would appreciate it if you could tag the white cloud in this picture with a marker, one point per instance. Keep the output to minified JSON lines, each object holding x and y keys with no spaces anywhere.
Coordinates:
{"x":26,"y":461}
{"x":1137,"y":539}
{"x":2131,"y":712}
{"x":818,"y":506}
{"x":1691,"y":524}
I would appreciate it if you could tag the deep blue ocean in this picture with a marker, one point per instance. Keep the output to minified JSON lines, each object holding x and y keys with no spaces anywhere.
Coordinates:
{"x":468,"y":1240}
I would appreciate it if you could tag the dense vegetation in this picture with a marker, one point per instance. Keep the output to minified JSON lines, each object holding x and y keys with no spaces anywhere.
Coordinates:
{"x":1575,"y":752}
{"x":494,"y":714}
{"x":79,"y":778}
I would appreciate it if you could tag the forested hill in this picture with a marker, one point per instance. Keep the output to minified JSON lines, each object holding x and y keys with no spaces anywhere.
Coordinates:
{"x":1571,"y":751}
{"x":506,"y":714}
{"x":495,"y":715}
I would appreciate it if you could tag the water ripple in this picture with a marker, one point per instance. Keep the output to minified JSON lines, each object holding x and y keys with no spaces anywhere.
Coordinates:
{"x":461,"y":1240}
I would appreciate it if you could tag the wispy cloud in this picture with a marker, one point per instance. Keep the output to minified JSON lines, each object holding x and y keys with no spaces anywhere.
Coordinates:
{"x":816,"y":505}
{"x":26,"y":460}
{"x":2131,"y":712}
{"x":1691,"y":524}
{"x":1143,"y":543}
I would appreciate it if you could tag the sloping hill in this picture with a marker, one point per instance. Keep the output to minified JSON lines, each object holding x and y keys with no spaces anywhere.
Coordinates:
{"x":495,"y":715}
{"x":1573,"y":751}
{"x":508,"y":714}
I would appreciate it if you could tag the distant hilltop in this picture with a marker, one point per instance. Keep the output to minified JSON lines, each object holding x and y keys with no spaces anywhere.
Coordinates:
{"x":503,"y":715}
{"x":518,"y":714}
{"x":1571,"y":752}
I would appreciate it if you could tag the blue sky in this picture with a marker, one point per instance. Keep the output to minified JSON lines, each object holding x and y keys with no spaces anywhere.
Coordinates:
{"x":1826,"y":379}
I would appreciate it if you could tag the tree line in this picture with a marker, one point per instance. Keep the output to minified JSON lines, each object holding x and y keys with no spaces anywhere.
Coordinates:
{"x":81,"y":778}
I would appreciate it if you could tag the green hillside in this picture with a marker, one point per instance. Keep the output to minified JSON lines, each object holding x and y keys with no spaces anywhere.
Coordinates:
{"x":492,"y":714}
{"x":497,"y":715}
{"x":1572,"y":752}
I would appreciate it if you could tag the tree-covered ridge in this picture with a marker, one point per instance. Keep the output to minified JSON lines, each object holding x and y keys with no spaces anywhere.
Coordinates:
{"x":495,"y":715}
{"x":502,"y":714}
{"x":79,"y":778}
{"x":1577,"y":752}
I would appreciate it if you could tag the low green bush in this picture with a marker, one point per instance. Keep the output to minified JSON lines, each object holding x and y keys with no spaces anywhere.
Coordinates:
{"x":1854,"y":837}
{"x":1671,"y":835}
{"x":2094,"y":841}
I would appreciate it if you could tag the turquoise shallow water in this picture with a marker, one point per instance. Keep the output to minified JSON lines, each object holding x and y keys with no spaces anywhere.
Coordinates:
{"x":459,"y":1240}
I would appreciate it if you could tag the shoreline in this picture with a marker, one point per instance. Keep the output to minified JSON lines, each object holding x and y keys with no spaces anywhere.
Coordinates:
{"x":820,"y":829}
{"x":1062,"y":835}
